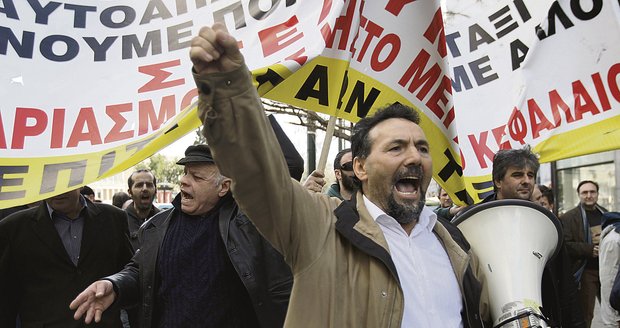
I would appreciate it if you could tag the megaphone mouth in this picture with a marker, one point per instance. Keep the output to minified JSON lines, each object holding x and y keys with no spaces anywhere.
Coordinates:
{"x":513,"y":240}
{"x":513,"y":202}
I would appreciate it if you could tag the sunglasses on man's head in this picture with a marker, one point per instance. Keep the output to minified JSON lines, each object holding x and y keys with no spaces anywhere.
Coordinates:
{"x":348,"y":166}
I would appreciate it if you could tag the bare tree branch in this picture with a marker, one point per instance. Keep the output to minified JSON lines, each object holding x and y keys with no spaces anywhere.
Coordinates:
{"x":342,"y":129}
{"x":306,"y":118}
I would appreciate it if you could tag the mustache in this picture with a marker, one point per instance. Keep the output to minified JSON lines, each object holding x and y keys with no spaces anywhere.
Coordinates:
{"x":409,"y":171}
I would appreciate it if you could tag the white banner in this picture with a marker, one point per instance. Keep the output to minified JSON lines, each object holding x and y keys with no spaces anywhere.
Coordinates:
{"x":544,"y":73}
{"x":90,"y":88}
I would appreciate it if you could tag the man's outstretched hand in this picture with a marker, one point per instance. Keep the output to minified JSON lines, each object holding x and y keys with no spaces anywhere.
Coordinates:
{"x":95,"y":299}
{"x":215,"y":50}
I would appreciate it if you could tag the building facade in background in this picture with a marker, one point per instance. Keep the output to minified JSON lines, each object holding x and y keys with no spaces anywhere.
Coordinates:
{"x":603,"y":168}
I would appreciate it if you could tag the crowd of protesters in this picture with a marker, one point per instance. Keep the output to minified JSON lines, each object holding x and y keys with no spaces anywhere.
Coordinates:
{"x":246,"y":244}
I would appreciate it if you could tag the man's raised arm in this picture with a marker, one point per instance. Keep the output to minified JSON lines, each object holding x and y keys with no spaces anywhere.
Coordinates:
{"x":247,"y":151}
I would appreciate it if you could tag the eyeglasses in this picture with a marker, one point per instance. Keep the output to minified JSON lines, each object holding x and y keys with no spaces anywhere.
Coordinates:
{"x":348,"y":166}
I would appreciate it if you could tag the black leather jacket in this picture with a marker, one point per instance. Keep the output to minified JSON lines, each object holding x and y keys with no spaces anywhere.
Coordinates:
{"x":262,"y":269}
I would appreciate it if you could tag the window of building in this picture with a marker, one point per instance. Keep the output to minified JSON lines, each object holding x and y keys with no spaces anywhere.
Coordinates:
{"x":597,"y":167}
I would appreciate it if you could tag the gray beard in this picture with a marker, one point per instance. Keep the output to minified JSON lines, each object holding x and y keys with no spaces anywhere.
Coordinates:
{"x":404,"y":214}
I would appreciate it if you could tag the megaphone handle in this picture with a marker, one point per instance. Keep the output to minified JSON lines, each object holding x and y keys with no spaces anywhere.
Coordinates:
{"x":524,"y":315}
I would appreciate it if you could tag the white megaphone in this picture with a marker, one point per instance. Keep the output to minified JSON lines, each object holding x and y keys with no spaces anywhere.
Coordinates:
{"x":513,"y":240}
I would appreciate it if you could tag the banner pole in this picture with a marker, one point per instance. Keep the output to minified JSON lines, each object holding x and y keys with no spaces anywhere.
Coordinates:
{"x":329,"y":133}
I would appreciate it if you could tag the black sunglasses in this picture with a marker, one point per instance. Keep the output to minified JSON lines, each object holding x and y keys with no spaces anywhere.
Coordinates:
{"x":348,"y":166}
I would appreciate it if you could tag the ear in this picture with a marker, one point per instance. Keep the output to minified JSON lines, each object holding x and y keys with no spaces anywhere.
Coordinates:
{"x":498,"y":184}
{"x":338,"y":174}
{"x":359,"y":168}
{"x":224,"y":187}
{"x":129,"y":192}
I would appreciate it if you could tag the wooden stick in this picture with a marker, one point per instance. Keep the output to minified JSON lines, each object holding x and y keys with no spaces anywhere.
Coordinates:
{"x":329,"y":134}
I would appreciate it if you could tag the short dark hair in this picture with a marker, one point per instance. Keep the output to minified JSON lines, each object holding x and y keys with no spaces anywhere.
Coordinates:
{"x":587,"y":181}
{"x":119,"y":198}
{"x":546,"y":192}
{"x":339,"y":157}
{"x":86,"y":190}
{"x":130,"y":181}
{"x":518,"y":158}
{"x":360,"y":143}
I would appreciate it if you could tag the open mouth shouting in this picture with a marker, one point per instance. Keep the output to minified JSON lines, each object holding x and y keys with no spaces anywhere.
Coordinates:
{"x":408,"y":184}
{"x":406,"y":201}
{"x":146,"y":198}
{"x":186,"y":197}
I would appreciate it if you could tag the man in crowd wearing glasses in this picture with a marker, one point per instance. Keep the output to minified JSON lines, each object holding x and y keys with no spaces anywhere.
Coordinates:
{"x":344,"y":186}
{"x":582,"y":233}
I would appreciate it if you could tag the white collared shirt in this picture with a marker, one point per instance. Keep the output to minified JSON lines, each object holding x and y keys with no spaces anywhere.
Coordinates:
{"x":432,"y":294}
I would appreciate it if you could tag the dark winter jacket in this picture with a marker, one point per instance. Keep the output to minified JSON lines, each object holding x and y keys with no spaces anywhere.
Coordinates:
{"x":261,"y":268}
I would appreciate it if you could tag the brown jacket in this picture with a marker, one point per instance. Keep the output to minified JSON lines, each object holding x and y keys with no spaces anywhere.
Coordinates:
{"x":574,"y":229}
{"x":343,"y":272}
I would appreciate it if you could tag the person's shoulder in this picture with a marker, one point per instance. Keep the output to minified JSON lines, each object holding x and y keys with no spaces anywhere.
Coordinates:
{"x":333,"y":190}
{"x":19,"y":217}
{"x":570,"y":213}
{"x":610,"y":234}
{"x":107,"y":208}
{"x":158,"y":218}
{"x":109,"y":213}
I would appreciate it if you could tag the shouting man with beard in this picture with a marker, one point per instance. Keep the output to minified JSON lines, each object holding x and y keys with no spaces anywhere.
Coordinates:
{"x":142,"y":189}
{"x":381,"y":259}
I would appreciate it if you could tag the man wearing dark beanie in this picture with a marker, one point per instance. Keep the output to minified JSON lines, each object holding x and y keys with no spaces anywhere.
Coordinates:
{"x":201,"y":263}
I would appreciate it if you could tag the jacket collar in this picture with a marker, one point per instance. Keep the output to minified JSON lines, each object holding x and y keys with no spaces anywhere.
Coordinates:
{"x":131,"y":210}
{"x":94,"y":223}
{"x":355,"y":224}
{"x":362,"y":231}
{"x":584,"y":221}
{"x":82,"y":201}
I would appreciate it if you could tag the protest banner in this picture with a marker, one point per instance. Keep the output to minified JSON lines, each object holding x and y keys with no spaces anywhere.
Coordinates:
{"x":92,"y":88}
{"x":543,"y":73}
